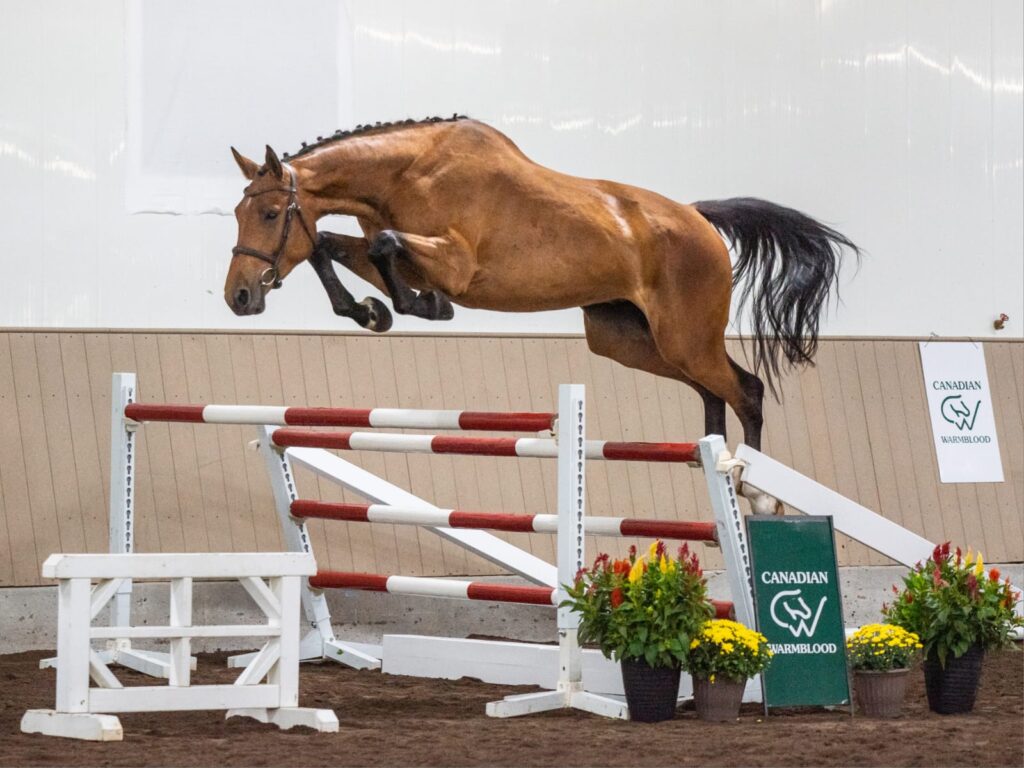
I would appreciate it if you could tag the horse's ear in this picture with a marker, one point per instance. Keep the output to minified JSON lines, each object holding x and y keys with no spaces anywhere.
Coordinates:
{"x":273,"y":164}
{"x":248,"y":167}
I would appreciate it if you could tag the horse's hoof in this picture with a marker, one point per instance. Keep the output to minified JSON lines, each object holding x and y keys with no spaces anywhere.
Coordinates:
{"x":441,"y":307}
{"x":379,"y":317}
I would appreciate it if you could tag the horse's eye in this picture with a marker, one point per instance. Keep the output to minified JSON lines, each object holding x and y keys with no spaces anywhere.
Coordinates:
{"x":270,"y":215}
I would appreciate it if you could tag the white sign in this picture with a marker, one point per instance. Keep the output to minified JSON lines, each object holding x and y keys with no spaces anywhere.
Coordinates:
{"x":960,"y":403}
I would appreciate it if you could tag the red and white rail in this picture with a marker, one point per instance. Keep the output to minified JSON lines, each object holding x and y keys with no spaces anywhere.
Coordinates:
{"x":497,"y":521}
{"x":422,"y":586}
{"x":543,"y":448}
{"x":388,"y":418}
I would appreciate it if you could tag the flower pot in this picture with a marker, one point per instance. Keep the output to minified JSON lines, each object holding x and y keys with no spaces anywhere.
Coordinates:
{"x":951,"y":690}
{"x":651,"y":692}
{"x":718,"y":701}
{"x":880,"y":693}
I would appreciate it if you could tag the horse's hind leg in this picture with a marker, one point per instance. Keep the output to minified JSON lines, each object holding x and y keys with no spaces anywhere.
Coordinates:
{"x":619,"y":331}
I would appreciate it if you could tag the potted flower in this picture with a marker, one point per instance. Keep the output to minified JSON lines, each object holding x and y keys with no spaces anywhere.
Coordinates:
{"x":723,"y":656}
{"x":959,"y":611}
{"x":643,"y":612}
{"x":881,"y":656}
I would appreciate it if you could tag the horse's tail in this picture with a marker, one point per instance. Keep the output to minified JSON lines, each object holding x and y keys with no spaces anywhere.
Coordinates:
{"x":788,"y":264}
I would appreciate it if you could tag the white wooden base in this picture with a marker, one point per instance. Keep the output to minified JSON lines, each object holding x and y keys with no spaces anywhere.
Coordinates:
{"x":313,"y":647}
{"x":323,"y":720}
{"x":151,"y":663}
{"x":77,"y":725}
{"x":546,"y":701}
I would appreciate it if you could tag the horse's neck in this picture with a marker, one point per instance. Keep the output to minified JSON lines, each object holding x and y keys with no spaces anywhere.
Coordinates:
{"x":354,"y":177}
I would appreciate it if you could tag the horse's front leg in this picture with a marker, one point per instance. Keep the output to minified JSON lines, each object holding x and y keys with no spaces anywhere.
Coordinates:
{"x":369,"y":313}
{"x":431,"y":258}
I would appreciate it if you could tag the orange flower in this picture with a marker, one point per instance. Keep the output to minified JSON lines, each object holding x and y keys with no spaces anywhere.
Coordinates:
{"x":616,"y":597}
{"x":993,"y":575}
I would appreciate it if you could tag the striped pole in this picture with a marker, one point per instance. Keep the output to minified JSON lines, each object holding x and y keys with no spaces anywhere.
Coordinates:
{"x":543,"y":448}
{"x":496,"y":521}
{"x":460,"y":590}
{"x":389,"y":418}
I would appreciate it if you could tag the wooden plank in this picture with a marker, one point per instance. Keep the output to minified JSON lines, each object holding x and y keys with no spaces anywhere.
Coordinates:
{"x":407,"y":388}
{"x":84,"y":437}
{"x":100,"y":370}
{"x":543,"y":396}
{"x":34,"y":444}
{"x":894,"y":420}
{"x":510,"y":489}
{"x":488,"y":469}
{"x":185,"y":464}
{"x":230,"y":446}
{"x":382,"y":366}
{"x":206,"y":446}
{"x":19,"y":547}
{"x":257,"y":381}
{"x":836,"y":422}
{"x":1007,"y":497}
{"x":883,"y":462}
{"x":531,"y":472}
{"x":437,"y":484}
{"x":939,"y":520}
{"x":159,"y":452}
{"x":381,"y":545}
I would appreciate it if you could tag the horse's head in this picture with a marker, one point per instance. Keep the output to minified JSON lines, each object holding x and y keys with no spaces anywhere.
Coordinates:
{"x":273,"y":235}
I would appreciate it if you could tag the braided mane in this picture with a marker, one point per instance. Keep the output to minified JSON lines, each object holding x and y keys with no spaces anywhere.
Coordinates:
{"x":361,"y":130}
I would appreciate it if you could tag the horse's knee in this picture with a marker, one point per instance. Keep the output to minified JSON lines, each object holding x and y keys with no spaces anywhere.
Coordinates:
{"x":385,"y":246}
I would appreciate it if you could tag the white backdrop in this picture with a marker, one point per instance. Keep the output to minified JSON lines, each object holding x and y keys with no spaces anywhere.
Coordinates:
{"x":901,"y":122}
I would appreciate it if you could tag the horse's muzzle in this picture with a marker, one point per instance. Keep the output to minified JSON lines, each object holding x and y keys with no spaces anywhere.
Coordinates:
{"x":245,"y":301}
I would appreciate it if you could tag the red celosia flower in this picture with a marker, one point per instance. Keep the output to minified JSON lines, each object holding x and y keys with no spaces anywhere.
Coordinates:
{"x":937,"y":553}
{"x":894,"y":590}
{"x":616,"y":597}
{"x":632,"y":551}
{"x":945,"y":550}
{"x":621,"y":567}
{"x":959,"y":555}
{"x":993,"y":575}
{"x":660,"y":549}
{"x":937,"y":577}
{"x":908,"y":597}
{"x":972,"y":586}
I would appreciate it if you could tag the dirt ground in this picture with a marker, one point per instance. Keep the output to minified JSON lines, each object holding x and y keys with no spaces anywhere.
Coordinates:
{"x":397,"y":721}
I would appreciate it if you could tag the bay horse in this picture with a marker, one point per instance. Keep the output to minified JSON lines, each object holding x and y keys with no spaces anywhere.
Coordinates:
{"x":452,"y":211}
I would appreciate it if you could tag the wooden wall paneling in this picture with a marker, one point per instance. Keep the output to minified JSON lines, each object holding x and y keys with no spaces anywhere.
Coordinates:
{"x":19,"y":548}
{"x":840,"y":441}
{"x":938,"y":518}
{"x":283,"y":375}
{"x":434,"y":477}
{"x":206,"y":446}
{"x":195,"y":524}
{"x":57,"y":441}
{"x":100,"y":371}
{"x":384,"y":550}
{"x":640,"y":498}
{"x":473,"y":359}
{"x":230,"y":442}
{"x":43,"y":505}
{"x":894,"y":421}
{"x":83,"y":432}
{"x":159,"y":470}
{"x":408,"y":392}
{"x":535,"y":496}
{"x":343,"y":538}
{"x":652,"y":428}
{"x":257,"y":378}
{"x":514,"y":475}
{"x":382,"y":366}
{"x":543,"y":396}
{"x":1007,"y":498}
{"x":884,"y":463}
{"x":147,"y":515}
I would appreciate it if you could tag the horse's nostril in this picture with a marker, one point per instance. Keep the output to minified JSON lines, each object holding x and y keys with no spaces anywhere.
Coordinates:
{"x":242,"y":297}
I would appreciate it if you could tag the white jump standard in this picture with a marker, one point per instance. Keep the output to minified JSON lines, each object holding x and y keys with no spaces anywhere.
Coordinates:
{"x":86,"y":712}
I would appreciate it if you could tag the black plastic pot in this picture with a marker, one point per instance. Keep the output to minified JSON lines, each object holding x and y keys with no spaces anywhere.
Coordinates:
{"x":651,"y":692}
{"x":951,"y":690}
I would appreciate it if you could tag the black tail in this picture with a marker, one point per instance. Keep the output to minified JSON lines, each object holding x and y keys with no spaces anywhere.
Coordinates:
{"x":790,"y":264}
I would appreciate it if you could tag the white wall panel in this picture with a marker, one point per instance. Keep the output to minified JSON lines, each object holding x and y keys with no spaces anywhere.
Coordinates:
{"x":898,"y":121}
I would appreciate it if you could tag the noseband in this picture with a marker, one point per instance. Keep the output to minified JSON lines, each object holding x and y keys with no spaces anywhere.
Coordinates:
{"x":270,"y":276}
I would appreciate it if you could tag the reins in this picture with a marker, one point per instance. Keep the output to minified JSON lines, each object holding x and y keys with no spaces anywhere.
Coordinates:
{"x":270,"y":277}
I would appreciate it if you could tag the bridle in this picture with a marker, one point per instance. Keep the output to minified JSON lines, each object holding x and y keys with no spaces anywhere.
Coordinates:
{"x":270,"y":276}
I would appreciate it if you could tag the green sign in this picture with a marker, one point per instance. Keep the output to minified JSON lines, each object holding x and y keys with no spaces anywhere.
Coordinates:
{"x":799,"y":610}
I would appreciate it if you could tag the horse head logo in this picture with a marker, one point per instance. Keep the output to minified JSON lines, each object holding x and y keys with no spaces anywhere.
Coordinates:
{"x":795,"y":612}
{"x":958,"y":413}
